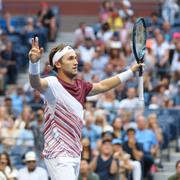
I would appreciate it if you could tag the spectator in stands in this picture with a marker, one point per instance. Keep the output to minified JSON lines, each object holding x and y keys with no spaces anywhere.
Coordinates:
{"x":148,"y":87}
{"x":25,"y":116}
{"x":86,"y":150}
{"x":29,"y":27}
{"x":8,"y":24}
{"x":100,"y":60}
{"x":10,"y":172}
{"x":107,"y":134}
{"x":37,"y":102}
{"x":85,"y":172}
{"x":26,"y":137}
{"x":154,"y":102}
{"x":150,"y":58}
{"x":3,"y":116}
{"x":116,"y":57}
{"x":177,"y":175}
{"x":146,"y":136}
{"x":104,"y":164}
{"x":105,"y":8}
{"x":131,"y":102}
{"x":9,"y":133}
{"x":104,"y":33}
{"x":173,"y":88}
{"x":154,"y":126}
{"x":91,"y":131}
{"x":161,"y":94}
{"x":47,"y":19}
{"x":18,"y":99}
{"x":8,"y":106}
{"x":115,"y":21}
{"x":9,"y":58}
{"x":87,"y":71}
{"x":176,"y":96}
{"x":120,"y":92}
{"x":127,"y":52}
{"x":47,"y":70}
{"x":87,"y":50}
{"x":169,"y":10}
{"x":150,"y":144}
{"x":3,"y":73}
{"x":154,"y":23}
{"x":37,"y":129}
{"x":109,"y":104}
{"x":82,"y":32}
{"x":126,"y":166}
{"x":131,"y":146}
{"x":125,"y":10}
{"x":100,"y":118}
{"x":108,"y":71}
{"x":175,"y":65}
{"x":32,"y":171}
{"x":127,"y":119}
{"x":161,"y":51}
{"x":118,"y":128}
{"x":167,"y":31}
{"x":2,"y":169}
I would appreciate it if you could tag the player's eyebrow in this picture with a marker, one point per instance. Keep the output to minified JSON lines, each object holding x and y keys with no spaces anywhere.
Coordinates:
{"x":72,"y":56}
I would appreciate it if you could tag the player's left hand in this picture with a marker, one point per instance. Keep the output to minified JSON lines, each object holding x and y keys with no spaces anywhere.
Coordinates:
{"x":135,"y":67}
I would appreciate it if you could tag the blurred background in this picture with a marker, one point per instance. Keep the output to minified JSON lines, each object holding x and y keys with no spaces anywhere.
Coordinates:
{"x":144,"y":143}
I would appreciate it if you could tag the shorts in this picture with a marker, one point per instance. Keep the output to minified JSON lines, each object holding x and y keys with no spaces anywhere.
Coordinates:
{"x":63,"y":168}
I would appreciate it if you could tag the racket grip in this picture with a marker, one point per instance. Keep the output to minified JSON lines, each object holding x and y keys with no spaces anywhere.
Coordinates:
{"x":141,"y":88}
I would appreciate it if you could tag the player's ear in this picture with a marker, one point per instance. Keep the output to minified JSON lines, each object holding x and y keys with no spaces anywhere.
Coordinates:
{"x":58,"y":64}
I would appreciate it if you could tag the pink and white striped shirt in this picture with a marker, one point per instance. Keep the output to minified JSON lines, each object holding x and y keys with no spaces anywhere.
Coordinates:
{"x":63,"y":117}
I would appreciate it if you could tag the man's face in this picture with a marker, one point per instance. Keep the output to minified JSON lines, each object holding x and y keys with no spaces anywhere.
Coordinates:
{"x":141,"y":122}
{"x":84,"y":168}
{"x":107,"y":148}
{"x":69,"y":64}
{"x":31,"y":165}
{"x":131,"y":93}
{"x":131,"y":134}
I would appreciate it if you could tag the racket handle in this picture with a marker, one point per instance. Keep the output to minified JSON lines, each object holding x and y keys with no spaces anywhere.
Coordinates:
{"x":140,"y":88}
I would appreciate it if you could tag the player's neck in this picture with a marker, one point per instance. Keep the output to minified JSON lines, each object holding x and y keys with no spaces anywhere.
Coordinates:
{"x":65,"y":78}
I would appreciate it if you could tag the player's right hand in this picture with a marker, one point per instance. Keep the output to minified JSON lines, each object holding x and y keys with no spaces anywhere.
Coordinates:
{"x":36,"y":52}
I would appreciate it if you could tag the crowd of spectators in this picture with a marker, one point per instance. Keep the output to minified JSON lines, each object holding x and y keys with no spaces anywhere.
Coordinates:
{"x":121,"y":140}
{"x":15,"y":40}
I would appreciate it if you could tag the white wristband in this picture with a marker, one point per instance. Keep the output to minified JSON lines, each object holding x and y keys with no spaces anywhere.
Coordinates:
{"x":34,"y":68}
{"x":124,"y":76}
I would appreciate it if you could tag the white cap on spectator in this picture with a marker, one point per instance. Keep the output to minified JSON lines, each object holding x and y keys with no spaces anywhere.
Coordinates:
{"x":131,"y":126}
{"x":30,"y":156}
{"x":108,"y":128}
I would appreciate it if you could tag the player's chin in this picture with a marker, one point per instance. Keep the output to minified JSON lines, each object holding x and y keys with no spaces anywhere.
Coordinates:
{"x":74,"y":73}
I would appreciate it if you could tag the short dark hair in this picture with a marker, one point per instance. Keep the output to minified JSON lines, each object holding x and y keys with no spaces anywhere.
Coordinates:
{"x":52,"y":53}
{"x":130,"y":129}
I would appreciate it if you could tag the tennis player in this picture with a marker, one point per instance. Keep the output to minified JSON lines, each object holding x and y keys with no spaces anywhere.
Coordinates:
{"x":64,"y":101}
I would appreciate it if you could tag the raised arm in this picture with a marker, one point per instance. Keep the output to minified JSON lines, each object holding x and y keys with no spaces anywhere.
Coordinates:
{"x":114,"y":81}
{"x":34,"y":66}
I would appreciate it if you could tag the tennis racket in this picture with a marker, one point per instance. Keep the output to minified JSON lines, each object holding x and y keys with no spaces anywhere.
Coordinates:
{"x":139,"y":37}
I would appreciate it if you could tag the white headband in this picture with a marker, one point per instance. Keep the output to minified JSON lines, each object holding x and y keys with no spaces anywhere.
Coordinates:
{"x":59,"y":54}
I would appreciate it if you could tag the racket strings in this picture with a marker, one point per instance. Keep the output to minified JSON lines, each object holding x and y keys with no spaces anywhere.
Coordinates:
{"x":140,"y":40}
